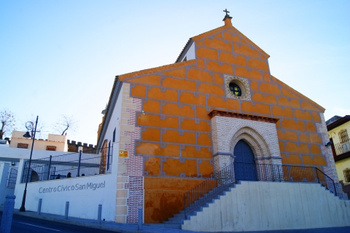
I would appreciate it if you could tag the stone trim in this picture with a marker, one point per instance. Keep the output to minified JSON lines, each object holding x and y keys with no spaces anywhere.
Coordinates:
{"x":242,"y":83}
{"x":259,"y":132}
{"x":223,"y":153}
{"x":130,"y":177}
{"x":221,"y":113}
{"x":269,"y":158}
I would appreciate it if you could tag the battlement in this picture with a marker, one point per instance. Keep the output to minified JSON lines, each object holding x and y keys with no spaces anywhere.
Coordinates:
{"x":73,"y":146}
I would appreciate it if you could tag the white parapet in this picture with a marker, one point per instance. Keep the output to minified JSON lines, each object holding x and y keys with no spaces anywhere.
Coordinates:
{"x":262,"y":206}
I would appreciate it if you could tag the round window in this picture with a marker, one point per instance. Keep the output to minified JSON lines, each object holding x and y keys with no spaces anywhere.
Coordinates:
{"x":235,"y":89}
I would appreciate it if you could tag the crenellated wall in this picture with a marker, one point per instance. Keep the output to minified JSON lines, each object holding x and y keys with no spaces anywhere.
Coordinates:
{"x":74,"y":146}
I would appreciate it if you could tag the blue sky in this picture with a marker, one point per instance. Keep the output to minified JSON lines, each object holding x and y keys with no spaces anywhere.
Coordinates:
{"x":59,"y":58}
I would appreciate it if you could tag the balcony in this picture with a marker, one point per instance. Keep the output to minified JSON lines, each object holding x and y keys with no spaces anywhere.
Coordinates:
{"x":341,"y":148}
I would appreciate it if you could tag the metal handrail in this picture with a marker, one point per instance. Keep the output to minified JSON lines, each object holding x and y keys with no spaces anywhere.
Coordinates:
{"x":264,"y":172}
{"x":328,"y":182}
{"x":223,"y":177}
{"x":198,"y":191}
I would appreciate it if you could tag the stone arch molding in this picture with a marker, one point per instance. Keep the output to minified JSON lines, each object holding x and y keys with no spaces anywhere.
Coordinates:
{"x":254,"y":140}
{"x":260,"y":135}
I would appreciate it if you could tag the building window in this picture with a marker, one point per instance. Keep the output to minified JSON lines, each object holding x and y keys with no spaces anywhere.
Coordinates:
{"x":235,"y":89}
{"x":343,"y":136}
{"x":346,"y":173}
{"x":52,"y":148}
{"x":11,"y":180}
{"x":22,"y":145}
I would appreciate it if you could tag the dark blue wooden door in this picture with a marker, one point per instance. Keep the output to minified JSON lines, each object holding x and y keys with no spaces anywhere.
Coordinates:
{"x":244,"y":164}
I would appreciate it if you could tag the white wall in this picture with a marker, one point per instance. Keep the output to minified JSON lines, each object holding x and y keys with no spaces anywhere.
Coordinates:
{"x":83,"y":193}
{"x":191,"y":53}
{"x":11,"y":153}
{"x":259,"y":206}
{"x":115,"y":120}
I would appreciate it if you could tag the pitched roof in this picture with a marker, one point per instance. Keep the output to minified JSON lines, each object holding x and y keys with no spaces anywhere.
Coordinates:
{"x":338,"y":122}
{"x":298,"y":93}
{"x":155,"y":70}
{"x":228,"y":25}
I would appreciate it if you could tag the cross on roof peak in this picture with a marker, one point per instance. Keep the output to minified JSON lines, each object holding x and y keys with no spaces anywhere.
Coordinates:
{"x":226,"y":11}
{"x":227,"y":16}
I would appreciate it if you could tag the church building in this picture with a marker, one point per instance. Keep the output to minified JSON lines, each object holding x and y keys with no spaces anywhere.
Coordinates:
{"x":218,"y":105}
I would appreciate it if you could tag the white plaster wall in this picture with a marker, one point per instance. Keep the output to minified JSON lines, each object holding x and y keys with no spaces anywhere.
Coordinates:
{"x":115,"y":120}
{"x":191,"y":54}
{"x":259,"y":206}
{"x":83,"y":202}
{"x":80,"y":192}
{"x":13,"y":154}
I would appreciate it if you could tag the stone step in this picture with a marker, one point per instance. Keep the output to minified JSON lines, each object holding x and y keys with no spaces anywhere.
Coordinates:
{"x":165,"y":225}
{"x":198,"y":205}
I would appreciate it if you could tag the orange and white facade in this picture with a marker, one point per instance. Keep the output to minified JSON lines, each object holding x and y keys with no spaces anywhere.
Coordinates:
{"x":175,"y":125}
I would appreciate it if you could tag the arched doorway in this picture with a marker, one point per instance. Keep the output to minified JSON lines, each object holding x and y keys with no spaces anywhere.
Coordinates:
{"x":244,"y":163}
{"x":34,"y":176}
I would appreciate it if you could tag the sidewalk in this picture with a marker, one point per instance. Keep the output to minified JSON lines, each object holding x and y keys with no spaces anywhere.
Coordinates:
{"x":154,"y":228}
{"x":111,"y":226}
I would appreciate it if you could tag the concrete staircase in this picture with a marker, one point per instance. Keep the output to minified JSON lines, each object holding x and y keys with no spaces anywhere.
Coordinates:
{"x":268,"y":206}
{"x":177,"y":220}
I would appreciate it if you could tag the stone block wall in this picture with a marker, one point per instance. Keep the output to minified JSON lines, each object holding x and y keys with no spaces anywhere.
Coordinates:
{"x":130,"y":168}
{"x":175,"y":101}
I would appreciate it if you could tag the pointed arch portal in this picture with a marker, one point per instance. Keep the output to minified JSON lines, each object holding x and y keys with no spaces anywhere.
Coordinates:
{"x":247,"y":141}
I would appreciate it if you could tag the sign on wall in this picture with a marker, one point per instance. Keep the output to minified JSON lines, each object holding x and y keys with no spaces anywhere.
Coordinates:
{"x":123,"y":153}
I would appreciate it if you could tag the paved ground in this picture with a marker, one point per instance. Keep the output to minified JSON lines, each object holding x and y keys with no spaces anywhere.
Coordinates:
{"x":156,"y":228}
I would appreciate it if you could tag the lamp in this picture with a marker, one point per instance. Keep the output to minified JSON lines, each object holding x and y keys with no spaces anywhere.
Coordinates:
{"x":27,"y":135}
{"x":329,"y":144}
{"x":29,"y":126}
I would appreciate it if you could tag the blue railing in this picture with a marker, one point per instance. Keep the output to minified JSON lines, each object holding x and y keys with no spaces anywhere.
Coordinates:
{"x":286,"y":173}
{"x":254,"y":172}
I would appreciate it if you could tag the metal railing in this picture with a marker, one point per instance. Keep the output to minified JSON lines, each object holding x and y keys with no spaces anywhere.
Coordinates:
{"x":225,"y":175}
{"x":262,"y":172}
{"x":286,"y":173}
{"x":219,"y":179}
{"x":199,"y":191}
{"x":341,"y":148}
{"x":65,"y":166}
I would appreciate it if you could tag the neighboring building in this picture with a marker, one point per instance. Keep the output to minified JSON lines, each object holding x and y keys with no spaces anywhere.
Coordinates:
{"x":52,"y":158}
{"x":19,"y":147}
{"x":58,"y":177}
{"x":54,"y":142}
{"x":177,"y":125}
{"x":74,"y":146}
{"x":338,"y":132}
